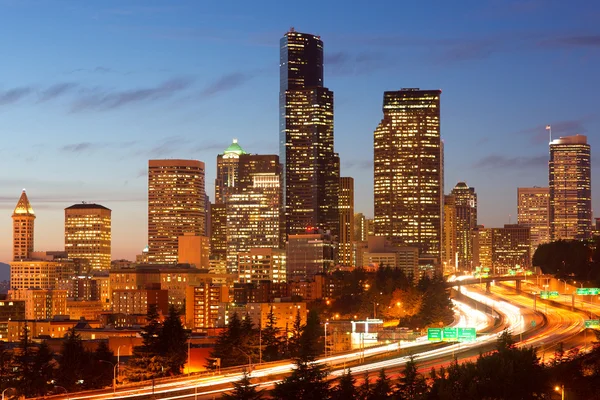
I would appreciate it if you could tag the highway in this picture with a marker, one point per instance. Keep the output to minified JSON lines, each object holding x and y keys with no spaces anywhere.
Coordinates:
{"x":517,"y":310}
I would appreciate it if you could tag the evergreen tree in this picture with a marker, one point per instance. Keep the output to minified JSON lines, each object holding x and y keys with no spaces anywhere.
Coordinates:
{"x":345,"y":389}
{"x":147,"y":362}
{"x":43,"y":369}
{"x":102,"y":375}
{"x":228,"y":343}
{"x":294,"y":340}
{"x":364,"y":391}
{"x":74,"y":361}
{"x":243,"y":390}
{"x":172,"y":344}
{"x":307,"y":381}
{"x":412,"y":385}
{"x":5,"y":366}
{"x":382,"y":388}
{"x":270,"y":339}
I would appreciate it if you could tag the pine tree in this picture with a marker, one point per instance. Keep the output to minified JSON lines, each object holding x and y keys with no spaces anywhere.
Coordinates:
{"x":364,"y":391}
{"x":411,"y":385}
{"x":243,"y":390}
{"x":102,"y":375}
{"x":382,"y":388}
{"x":345,"y":389}
{"x":294,"y":340}
{"x":43,"y":369}
{"x":147,"y":362}
{"x":308,"y":380}
{"x":270,"y":339}
{"x":172,"y":344}
{"x":228,"y":343}
{"x":151,"y":332}
{"x":73,"y":360}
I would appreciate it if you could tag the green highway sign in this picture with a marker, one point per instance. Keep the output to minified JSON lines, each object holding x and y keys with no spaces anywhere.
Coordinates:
{"x":434,"y":334}
{"x":553,"y":295}
{"x":467,"y":334}
{"x":592,"y":323}
{"x":512,"y":272}
{"x":587,"y":291}
{"x":544,"y":294}
{"x":533,"y":323}
{"x":450,"y":334}
{"x":486,"y":269}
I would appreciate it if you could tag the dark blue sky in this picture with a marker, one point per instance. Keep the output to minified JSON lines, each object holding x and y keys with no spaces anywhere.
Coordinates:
{"x":90,"y":90}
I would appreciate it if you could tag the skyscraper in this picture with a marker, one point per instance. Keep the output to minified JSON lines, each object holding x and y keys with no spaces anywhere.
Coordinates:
{"x":346,"y":207}
{"x":88,"y":235}
{"x":408,"y":170}
{"x":176,"y":196}
{"x":23,"y":224}
{"x":466,"y":222}
{"x":227,"y":171}
{"x":570,"y":188}
{"x":449,"y":249}
{"x":533,"y":206}
{"x":254,"y":208}
{"x":310,"y":165}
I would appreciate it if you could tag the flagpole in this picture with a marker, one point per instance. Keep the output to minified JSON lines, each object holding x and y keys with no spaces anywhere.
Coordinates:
{"x":549,"y":129}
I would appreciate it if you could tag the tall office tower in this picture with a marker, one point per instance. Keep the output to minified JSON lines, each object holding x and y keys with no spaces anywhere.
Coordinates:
{"x":346,"y":207}
{"x":502,"y":249}
{"x":407,"y":170}
{"x":311,"y":168}
{"x":88,"y":235}
{"x":254,"y":209}
{"x":570,"y":188}
{"x":449,"y":249}
{"x":534,"y":211}
{"x":23,"y":223}
{"x":227,"y":171}
{"x":361,"y":229}
{"x":176,"y":198}
{"x":218,"y":236}
{"x":466,"y":222}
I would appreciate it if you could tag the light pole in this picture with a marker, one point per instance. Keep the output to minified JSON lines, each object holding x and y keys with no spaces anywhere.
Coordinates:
{"x":249,"y":359}
{"x":114,"y":374}
{"x":6,"y":390}
{"x":558,"y":279}
{"x":188,"y":363}
{"x":561,"y":389}
{"x":66,"y":391}
{"x":326,"y":323}
{"x":119,"y":362}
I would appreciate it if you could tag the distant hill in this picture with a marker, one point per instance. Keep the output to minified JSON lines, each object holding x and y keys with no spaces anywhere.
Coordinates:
{"x":4,"y":272}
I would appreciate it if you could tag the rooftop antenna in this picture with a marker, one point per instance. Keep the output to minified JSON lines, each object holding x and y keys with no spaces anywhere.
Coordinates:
{"x":549,"y":129}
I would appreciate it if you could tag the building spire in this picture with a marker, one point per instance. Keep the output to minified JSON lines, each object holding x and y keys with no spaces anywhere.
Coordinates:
{"x":23,"y":206}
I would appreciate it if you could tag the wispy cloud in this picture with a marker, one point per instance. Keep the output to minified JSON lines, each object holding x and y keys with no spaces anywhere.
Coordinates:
{"x":11,"y":96}
{"x":56,"y":90}
{"x":107,"y":100}
{"x":572,"y":41}
{"x":346,"y":63}
{"x":87,"y":147}
{"x":358,"y":164}
{"x":226,"y":83}
{"x":494,"y":161}
{"x":538,"y":134}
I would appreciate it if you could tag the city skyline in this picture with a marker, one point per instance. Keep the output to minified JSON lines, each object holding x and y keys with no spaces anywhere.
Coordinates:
{"x":107,"y":103}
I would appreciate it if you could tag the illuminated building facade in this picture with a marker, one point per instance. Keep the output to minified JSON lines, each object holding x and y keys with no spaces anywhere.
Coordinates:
{"x":346,"y":207}
{"x":262,"y":264}
{"x":449,"y":250}
{"x":407,"y":170}
{"x":88,"y":235}
{"x":39,"y":274}
{"x":23,"y":224}
{"x":136,"y":301}
{"x":501,"y":249}
{"x":254,"y":209}
{"x":309,"y":254}
{"x":176,"y":197}
{"x":43,"y":304}
{"x":533,"y":206}
{"x":218,"y":234}
{"x":570,"y":188}
{"x":361,"y":227}
{"x":227,"y":171}
{"x":193,"y":250}
{"x":465,"y":200}
{"x":310,"y":165}
{"x":202,"y":305}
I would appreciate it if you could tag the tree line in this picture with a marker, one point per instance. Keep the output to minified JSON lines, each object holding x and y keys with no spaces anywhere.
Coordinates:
{"x":576,"y":259}
{"x":508,"y":373}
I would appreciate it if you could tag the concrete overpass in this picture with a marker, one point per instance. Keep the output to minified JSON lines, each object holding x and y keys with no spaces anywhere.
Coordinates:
{"x":488,"y":281}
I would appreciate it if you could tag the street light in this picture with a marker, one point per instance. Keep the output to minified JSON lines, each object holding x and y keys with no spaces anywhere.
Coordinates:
{"x":326,"y":323}
{"x":249,"y":359}
{"x":66,"y":391}
{"x":114,"y":374}
{"x":6,"y":390}
{"x":558,"y":279}
{"x":561,"y":389}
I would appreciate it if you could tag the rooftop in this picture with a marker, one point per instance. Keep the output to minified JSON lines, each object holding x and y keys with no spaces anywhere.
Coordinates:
{"x":90,"y":206}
